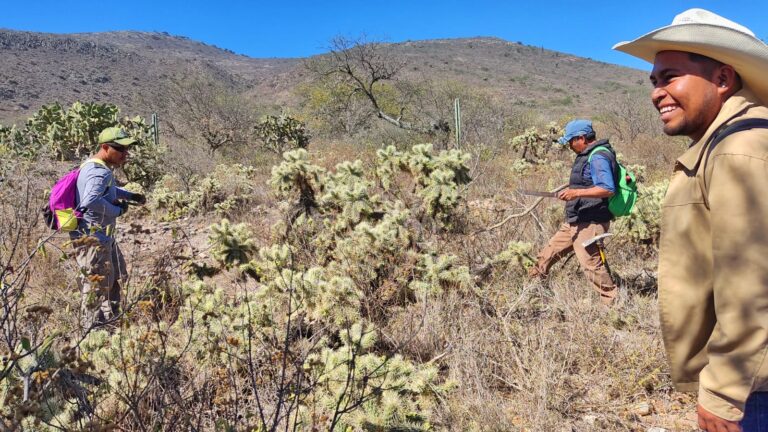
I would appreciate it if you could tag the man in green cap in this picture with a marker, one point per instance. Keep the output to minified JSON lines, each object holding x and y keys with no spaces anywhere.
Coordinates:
{"x":101,"y":201}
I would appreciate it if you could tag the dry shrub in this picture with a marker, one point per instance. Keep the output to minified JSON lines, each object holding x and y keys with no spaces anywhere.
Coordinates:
{"x":524,"y":355}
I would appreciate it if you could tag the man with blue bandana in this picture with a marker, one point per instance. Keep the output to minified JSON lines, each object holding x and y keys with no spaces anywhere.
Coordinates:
{"x":591,"y":184}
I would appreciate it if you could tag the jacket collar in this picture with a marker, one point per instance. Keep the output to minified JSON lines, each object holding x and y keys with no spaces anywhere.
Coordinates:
{"x":602,"y":142}
{"x":734,"y":106}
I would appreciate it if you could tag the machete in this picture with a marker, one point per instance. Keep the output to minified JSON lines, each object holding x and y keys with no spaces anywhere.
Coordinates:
{"x":546,"y":194}
{"x":539,"y":193}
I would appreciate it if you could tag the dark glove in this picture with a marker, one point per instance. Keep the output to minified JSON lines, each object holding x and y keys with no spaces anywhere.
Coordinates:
{"x":123,"y":207}
{"x":138,"y":198}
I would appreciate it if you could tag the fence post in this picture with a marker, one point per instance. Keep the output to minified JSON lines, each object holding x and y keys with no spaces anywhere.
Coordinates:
{"x":457,"y":120}
{"x":154,"y":129}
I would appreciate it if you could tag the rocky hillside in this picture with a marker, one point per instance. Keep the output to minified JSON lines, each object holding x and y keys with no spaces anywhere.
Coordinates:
{"x":130,"y":68}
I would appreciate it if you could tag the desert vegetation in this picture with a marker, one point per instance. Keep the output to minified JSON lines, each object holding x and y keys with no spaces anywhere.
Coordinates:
{"x":337,"y":264}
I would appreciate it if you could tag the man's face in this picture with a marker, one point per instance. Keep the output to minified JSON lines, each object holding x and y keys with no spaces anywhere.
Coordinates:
{"x":685,"y":96}
{"x":578,"y":144}
{"x":117,"y":155}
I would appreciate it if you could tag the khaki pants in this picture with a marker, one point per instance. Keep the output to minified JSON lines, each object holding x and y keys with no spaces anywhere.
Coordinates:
{"x":101,"y":268}
{"x":570,"y":238}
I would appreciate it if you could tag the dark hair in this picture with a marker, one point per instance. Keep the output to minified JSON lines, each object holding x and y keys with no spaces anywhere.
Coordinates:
{"x":708,"y":64}
{"x":590,"y":136}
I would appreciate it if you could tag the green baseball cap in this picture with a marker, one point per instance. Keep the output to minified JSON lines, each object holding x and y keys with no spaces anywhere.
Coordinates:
{"x":116,"y":135}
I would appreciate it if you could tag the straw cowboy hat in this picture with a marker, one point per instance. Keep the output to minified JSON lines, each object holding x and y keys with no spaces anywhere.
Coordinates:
{"x":703,"y":32}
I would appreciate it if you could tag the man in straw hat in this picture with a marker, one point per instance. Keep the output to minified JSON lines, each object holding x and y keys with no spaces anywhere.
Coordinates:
{"x":710,"y":73}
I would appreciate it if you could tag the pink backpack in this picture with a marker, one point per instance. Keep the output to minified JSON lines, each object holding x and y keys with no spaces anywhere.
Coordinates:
{"x":60,"y":213}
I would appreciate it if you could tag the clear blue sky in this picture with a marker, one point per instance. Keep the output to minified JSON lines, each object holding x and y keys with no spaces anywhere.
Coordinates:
{"x":302,"y":28}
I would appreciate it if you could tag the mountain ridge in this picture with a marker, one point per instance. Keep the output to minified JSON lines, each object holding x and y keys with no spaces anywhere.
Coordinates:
{"x":122,"y":67}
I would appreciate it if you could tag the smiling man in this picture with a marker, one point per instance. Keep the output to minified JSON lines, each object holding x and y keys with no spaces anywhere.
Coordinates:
{"x":101,"y":202}
{"x":710,"y":84}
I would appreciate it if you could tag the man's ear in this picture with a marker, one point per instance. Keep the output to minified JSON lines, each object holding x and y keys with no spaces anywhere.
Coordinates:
{"x":727,"y":80}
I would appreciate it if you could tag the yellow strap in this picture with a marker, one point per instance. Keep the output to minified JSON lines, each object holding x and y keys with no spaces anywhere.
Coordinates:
{"x":100,"y":162}
{"x":95,"y":160}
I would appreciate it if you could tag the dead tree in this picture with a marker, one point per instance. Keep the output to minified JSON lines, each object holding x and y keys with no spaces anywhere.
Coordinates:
{"x":364,"y":65}
{"x":209,"y":111}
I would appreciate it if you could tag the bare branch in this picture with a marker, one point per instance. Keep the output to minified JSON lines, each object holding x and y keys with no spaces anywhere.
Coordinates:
{"x":521,"y":214}
{"x":363,"y":64}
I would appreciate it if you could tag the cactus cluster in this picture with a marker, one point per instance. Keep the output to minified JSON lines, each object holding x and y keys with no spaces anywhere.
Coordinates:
{"x":321,"y":296}
{"x":281,"y":133}
{"x":70,"y":134}
{"x":533,"y":145}
{"x":225,"y":190}
{"x":643,"y":225}
{"x":297,"y":340}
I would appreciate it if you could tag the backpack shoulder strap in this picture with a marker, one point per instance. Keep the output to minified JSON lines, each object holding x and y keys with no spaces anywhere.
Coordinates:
{"x":595,"y":150}
{"x":725,"y":131}
{"x":732,"y":128}
{"x":721,"y":134}
{"x":96,"y":161}
{"x":615,"y":166}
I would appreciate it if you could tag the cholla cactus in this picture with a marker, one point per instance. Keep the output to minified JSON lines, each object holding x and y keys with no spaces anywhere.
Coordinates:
{"x":370,"y":243}
{"x":295,"y":175}
{"x":440,"y":176}
{"x":316,"y":295}
{"x":347,"y":192}
{"x":643,"y":225}
{"x":23,"y":372}
{"x":319,"y":295}
{"x":232,"y":244}
{"x":532,"y":145}
{"x":441,"y":195}
{"x":139,"y":346}
{"x":518,"y":253}
{"x":275,"y":258}
{"x":440,"y":272}
{"x":391,"y":392}
{"x":227,"y":189}
{"x":281,"y":133}
{"x":389,"y":161}
{"x":420,"y":161}
{"x":129,"y":363}
{"x":302,"y":331}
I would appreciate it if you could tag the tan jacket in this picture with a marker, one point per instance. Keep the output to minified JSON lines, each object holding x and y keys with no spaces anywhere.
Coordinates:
{"x":713,"y":265}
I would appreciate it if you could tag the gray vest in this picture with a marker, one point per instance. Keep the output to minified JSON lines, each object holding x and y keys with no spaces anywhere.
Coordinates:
{"x":588,"y":209}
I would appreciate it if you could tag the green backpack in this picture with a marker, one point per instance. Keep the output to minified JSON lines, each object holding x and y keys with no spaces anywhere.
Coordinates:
{"x":623,"y":200}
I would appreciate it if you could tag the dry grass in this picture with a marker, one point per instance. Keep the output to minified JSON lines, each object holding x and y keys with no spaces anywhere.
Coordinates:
{"x":525,"y":355}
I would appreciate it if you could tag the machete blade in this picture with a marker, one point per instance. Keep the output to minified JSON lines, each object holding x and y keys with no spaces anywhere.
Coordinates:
{"x":538,"y":193}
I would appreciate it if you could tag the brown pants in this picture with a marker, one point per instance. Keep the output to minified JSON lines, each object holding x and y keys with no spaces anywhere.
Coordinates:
{"x":101,"y":267}
{"x":570,"y":237}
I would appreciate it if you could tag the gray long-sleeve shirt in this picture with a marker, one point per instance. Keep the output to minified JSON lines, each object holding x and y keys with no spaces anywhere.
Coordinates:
{"x":95,"y":197}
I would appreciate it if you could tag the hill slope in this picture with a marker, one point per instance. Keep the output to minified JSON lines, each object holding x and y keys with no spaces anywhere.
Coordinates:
{"x":125,"y":67}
